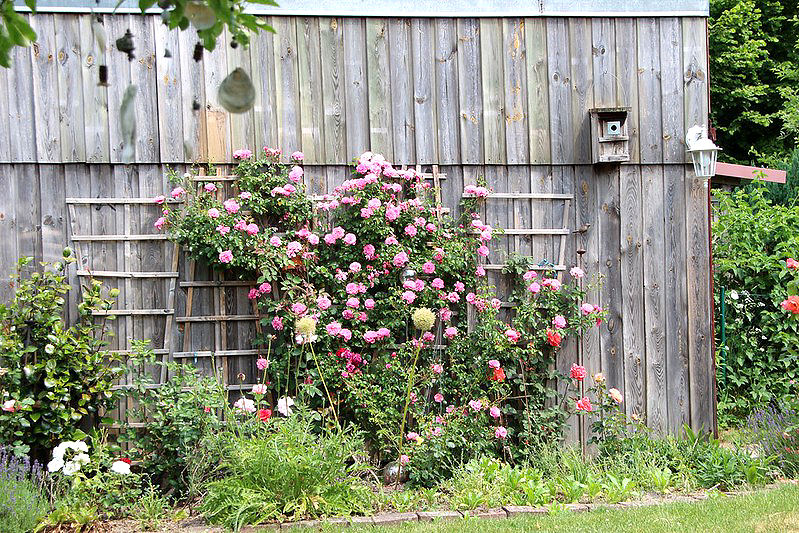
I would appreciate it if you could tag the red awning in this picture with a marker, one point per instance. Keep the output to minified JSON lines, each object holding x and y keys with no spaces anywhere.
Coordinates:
{"x":744,"y":172}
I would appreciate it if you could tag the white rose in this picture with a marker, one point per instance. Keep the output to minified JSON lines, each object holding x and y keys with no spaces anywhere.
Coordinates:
{"x":71,"y":467}
{"x":58,"y":451}
{"x":80,"y":446}
{"x":81,"y":459}
{"x":120,"y":467}
{"x":55,"y":465}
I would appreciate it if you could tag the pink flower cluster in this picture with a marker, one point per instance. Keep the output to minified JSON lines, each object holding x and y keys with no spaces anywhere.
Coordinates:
{"x":353,"y":362}
{"x":480,"y":192}
{"x":263,"y":288}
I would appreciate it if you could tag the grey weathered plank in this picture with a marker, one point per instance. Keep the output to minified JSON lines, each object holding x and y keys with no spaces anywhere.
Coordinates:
{"x":379,"y":81}
{"x":515,"y":108}
{"x":700,"y":352}
{"x":491,"y":56}
{"x":603,"y":46}
{"x":53,"y":211}
{"x":28,"y":211}
{"x":5,"y":131}
{"x":654,"y":297}
{"x":632,"y":283}
{"x":356,"y":90}
{"x":470,"y":93}
{"x":77,"y":180}
{"x":45,"y":90}
{"x":541,"y":212}
{"x":242,"y":125}
{"x":582,"y":79}
{"x":519,"y":211}
{"x":119,"y":78}
{"x":424,"y":105}
{"x":263,"y":78}
{"x":8,"y":229}
{"x":446,"y":97}
{"x":676,"y":323}
{"x":535,"y":35}
{"x":309,"y":57}
{"x":612,"y":329}
{"x":95,"y":96}
{"x":671,"y":98}
{"x":587,"y":211}
{"x":217,"y":119}
{"x":143,"y":74}
{"x":560,"y":89}
{"x":70,"y":88}
{"x":192,"y":90}
{"x":695,"y":72}
{"x":649,"y":111}
{"x":335,"y":134}
{"x":627,"y":79}
{"x":169,"y":91}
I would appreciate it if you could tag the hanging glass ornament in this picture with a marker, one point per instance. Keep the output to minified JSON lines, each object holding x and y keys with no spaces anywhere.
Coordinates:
{"x":127,"y":123}
{"x":236,"y":92}
{"x":200,"y":15}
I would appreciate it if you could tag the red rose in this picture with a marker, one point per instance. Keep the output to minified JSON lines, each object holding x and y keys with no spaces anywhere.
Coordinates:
{"x":554,"y":338}
{"x":265,"y":414}
{"x":124,"y":460}
{"x":499,"y":375}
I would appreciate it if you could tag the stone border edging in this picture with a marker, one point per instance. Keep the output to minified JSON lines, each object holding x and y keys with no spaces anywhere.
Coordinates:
{"x":507,"y":511}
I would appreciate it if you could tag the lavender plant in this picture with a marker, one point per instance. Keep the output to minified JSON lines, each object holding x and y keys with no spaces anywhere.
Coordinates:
{"x":775,"y":429}
{"x":24,"y":497}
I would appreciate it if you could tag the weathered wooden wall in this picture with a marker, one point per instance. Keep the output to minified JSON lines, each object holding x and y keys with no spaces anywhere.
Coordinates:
{"x":506,"y":99}
{"x":420,"y":91}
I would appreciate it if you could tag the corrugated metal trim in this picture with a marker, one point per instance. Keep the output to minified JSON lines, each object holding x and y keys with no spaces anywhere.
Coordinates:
{"x":424,"y":8}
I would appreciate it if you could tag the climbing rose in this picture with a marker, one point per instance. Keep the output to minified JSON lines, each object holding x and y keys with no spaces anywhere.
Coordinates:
{"x":791,"y":304}
{"x":438,"y":398}
{"x":577,"y":372}
{"x":476,"y":404}
{"x":494,"y":412}
{"x":177,"y":192}
{"x":160,"y":223}
{"x":493,"y":363}
{"x":792,"y":263}
{"x":245,"y":405}
{"x":262,"y":363}
{"x":577,"y":272}
{"x":277,"y":323}
{"x":437,"y":368}
{"x":499,"y":375}
{"x":616,"y":395}
{"x":160,"y":199}
{"x":213,"y":212}
{"x":299,"y":308}
{"x":400,"y":259}
{"x":259,"y":388}
{"x":559,"y":321}
{"x":324,"y":303}
{"x":369,"y":303}
{"x":513,"y":335}
{"x":223,"y":230}
{"x":297,"y":156}
{"x":275,"y":241}
{"x":209,"y":187}
{"x":554,"y":338}
{"x":584,"y":404}
{"x":501,"y":433}
{"x":428,"y":267}
{"x":350,"y":239}
{"x":534,"y":287}
{"x":231,"y":206}
{"x":226,"y":256}
{"x":587,"y":308}
{"x":296,"y":174}
{"x":242,"y":154}
{"x":450,"y":332}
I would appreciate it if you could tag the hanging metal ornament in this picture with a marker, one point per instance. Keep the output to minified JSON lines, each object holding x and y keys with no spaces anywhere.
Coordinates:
{"x":99,"y":36}
{"x":236,"y":92}
{"x":127,"y":123}
{"x":167,"y":52}
{"x":125,"y":44}
{"x":200,"y":15}
{"x":198,"y":52}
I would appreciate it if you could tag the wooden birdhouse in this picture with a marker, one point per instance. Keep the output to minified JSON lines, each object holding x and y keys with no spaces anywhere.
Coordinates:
{"x":610,"y":138}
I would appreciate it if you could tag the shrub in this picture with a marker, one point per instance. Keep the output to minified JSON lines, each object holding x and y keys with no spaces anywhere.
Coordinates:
{"x":752,"y":238}
{"x":52,"y":376}
{"x":177,"y":416}
{"x":287,"y":471}
{"x":24,"y":498}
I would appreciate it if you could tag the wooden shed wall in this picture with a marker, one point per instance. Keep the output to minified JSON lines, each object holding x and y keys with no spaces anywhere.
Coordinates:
{"x":506,"y":99}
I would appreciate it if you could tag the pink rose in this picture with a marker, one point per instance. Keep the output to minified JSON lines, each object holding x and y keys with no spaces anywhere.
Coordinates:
{"x":494,"y":412}
{"x":559,"y":321}
{"x":277,"y":323}
{"x":493,"y":363}
{"x":333,"y":329}
{"x":299,"y":308}
{"x":209,"y":187}
{"x":245,"y":195}
{"x":348,"y":314}
{"x":369,"y":303}
{"x":355,"y":266}
{"x":324,"y":303}
{"x":226,"y":256}
{"x":408,"y":297}
{"x":253,"y":294}
{"x":428,"y":267}
{"x":353,"y":302}
{"x":297,"y":156}
{"x":275,"y":241}
{"x":231,"y":206}
{"x":252,"y":229}
{"x":437,"y":283}
{"x":437,"y":368}
{"x":459,"y":287}
{"x":513,"y":335}
{"x":480,"y":272}
{"x":349,"y":239}
{"x":534,"y":287}
{"x":177,"y":192}
{"x":584,"y":404}
{"x":438,"y":398}
{"x":345,"y":334}
{"x":445,"y":313}
{"x":577,"y":372}
{"x":313,"y":239}
{"x":160,"y":199}
{"x":400,"y":259}
{"x":501,"y":432}
{"x":587,"y":308}
{"x":483,"y":251}
{"x":476,"y":405}
{"x":410,"y":230}
{"x":223,"y":230}
{"x":259,"y":389}
{"x":213,"y":212}
{"x":530,"y":274}
{"x":577,"y":272}
{"x":262,"y":363}
{"x":242,"y":154}
{"x":369,"y":251}
{"x":160,"y":223}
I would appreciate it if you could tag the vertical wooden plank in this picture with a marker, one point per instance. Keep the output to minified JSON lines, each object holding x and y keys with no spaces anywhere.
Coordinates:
{"x":627,"y":78}
{"x":515,"y":85}
{"x":491,"y":62}
{"x":695,"y":72}
{"x":632,"y":285}
{"x":95,"y":96}
{"x":263,"y":77}
{"x":654,"y":297}
{"x":192,"y":91}
{"x":519,"y":211}
{"x":535,"y":35}
{"x":560,"y":92}
{"x":169,"y":89}
{"x":53,"y":211}
{"x":119,"y":77}
{"x":541,"y":180}
{"x":77,"y":181}
{"x":611,"y":331}
{"x":20,"y":106}
{"x":8,"y":229}
{"x":649,"y":111}
{"x":356,"y":89}
{"x":470,"y":92}
{"x":45,"y":90}
{"x":603,"y":46}
{"x":5,"y":131}
{"x":379,"y":81}
{"x":424,"y":105}
{"x":28,"y":207}
{"x":143,"y":74}
{"x":310,"y":80}
{"x":217,"y":119}
{"x":331,"y":35}
{"x":678,"y":400}
{"x":70,"y":88}
{"x":582,"y":77}
{"x":242,"y":125}
{"x":671,"y":90}
{"x":700,"y":352}
{"x":446,"y":83}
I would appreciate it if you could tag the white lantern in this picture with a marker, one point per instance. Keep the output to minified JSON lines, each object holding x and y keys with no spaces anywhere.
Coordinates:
{"x":703,"y":152}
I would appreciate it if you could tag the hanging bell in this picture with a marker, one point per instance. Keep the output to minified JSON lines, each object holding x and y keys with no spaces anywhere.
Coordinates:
{"x":200,"y":15}
{"x":198,"y":52}
{"x":236,"y":92}
{"x":103,"y":76}
{"x":127,"y":123}
{"x":125,"y":44}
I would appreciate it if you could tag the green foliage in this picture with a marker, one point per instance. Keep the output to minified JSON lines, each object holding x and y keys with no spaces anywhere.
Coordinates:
{"x":177,"y":14}
{"x":177,"y":415}
{"x":287,"y":471}
{"x":56,"y":375}
{"x":752,"y":238}
{"x":754,"y":75}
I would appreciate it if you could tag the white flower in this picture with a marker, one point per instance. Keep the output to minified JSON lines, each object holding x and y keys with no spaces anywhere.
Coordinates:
{"x":55,"y":465}
{"x":120,"y":467}
{"x":284,"y":406}
{"x":245,"y":404}
{"x":80,"y":446}
{"x":734,"y":294}
{"x":71,"y":467}
{"x":81,"y":459}
{"x":58,"y":451}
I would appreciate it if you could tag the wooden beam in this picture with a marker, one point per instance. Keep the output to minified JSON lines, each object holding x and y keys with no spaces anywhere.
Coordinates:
{"x":148,"y":237}
{"x":120,"y":274}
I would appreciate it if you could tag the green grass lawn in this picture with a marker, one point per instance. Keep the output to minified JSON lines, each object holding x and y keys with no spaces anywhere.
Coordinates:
{"x":767,"y":510}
